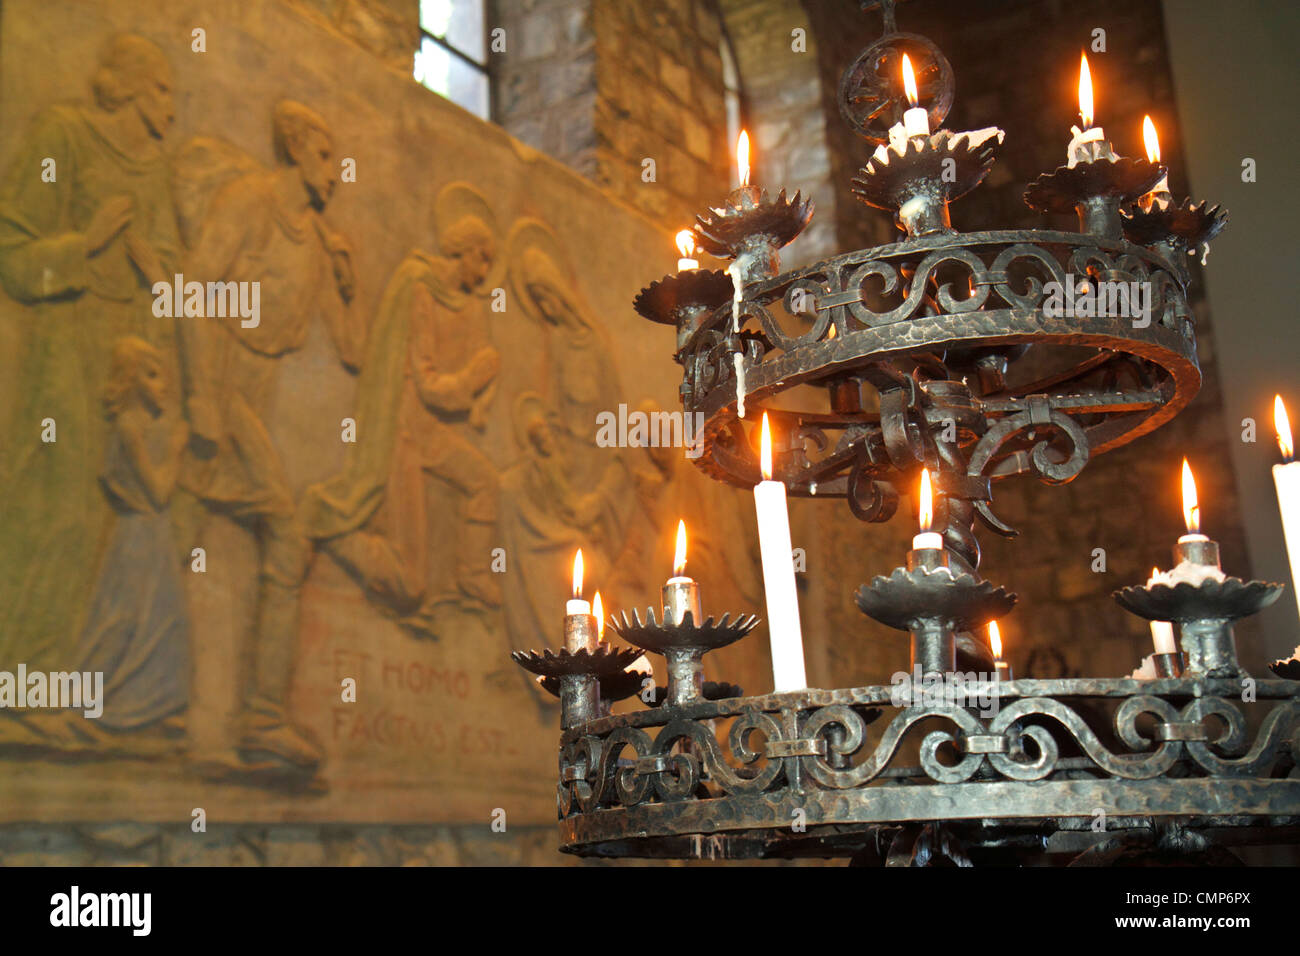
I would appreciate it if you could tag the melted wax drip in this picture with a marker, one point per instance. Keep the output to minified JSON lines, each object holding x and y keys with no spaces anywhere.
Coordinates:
{"x":736,"y":270}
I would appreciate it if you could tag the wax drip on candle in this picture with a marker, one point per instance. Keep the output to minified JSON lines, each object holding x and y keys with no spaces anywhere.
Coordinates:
{"x":737,"y":270}
{"x":1158,"y":197}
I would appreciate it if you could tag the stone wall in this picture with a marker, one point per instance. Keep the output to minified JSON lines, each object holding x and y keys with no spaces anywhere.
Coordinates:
{"x":605,"y":85}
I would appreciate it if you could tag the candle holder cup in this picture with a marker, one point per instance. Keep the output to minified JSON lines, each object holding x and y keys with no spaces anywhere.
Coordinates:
{"x":682,"y":645}
{"x":1178,"y":230}
{"x":918,"y":177}
{"x":684,"y":300}
{"x":1204,"y":613}
{"x":753,"y":226}
{"x":1095,"y":189}
{"x":578,"y":676}
{"x":933,"y":604}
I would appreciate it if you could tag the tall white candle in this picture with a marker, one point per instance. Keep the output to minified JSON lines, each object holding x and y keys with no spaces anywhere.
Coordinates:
{"x":778,"y":576}
{"x":1286,"y":478}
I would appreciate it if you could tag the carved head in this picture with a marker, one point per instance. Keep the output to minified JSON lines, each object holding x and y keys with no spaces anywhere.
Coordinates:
{"x":133,"y":73}
{"x":301,"y":138}
{"x":469,"y":243}
{"x":135,"y":371}
{"x":545,"y":287}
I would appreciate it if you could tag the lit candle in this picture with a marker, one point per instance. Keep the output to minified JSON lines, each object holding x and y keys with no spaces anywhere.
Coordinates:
{"x":580,"y":631}
{"x":1079,"y":150}
{"x":1162,"y":632}
{"x":1159,"y":196}
{"x":1001,"y":669}
{"x":1196,"y":555}
{"x":927,"y":540}
{"x":1286,"y":477}
{"x":916,"y":121}
{"x":598,"y":612}
{"x":681,"y":594}
{"x":778,"y":575}
{"x":686,"y":246}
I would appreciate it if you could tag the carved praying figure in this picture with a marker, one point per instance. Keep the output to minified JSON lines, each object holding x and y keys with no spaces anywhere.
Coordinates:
{"x":137,"y":629}
{"x":430,"y":370}
{"x":86,"y":227}
{"x":265,"y":227}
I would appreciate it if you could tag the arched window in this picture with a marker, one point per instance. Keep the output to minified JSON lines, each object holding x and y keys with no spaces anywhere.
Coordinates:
{"x":452,"y":59}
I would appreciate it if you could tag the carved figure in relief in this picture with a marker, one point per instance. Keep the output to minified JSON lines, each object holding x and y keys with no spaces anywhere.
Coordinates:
{"x":80,"y":252}
{"x":429,"y":373}
{"x":266,"y":227}
{"x":137,"y":630}
{"x":545,"y":516}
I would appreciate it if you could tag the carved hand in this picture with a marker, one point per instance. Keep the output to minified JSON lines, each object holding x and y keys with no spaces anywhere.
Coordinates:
{"x":483,"y":368}
{"x":144,"y":256}
{"x":110,"y":218}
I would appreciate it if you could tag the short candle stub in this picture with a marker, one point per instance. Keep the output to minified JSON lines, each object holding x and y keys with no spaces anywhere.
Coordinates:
{"x":1002,"y":670}
{"x":580,"y":631}
{"x":682,"y":594}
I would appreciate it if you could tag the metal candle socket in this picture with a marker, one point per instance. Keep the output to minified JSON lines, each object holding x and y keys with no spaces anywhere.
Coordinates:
{"x":1204,"y":611}
{"x":683,"y":646}
{"x":579,"y":675}
{"x":753,"y":226}
{"x":1095,"y":189}
{"x":933,"y":603}
{"x":681,"y":596}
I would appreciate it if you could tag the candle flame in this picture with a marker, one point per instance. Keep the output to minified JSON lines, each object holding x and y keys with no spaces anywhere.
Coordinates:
{"x":765,"y":450}
{"x":686,"y":243}
{"x":1191,"y":509}
{"x":927,"y":503}
{"x":995,"y":639}
{"x":742,"y":157}
{"x":1150,"y":139}
{"x":598,"y":610}
{"x":1283,"y":426}
{"x":577,"y":575}
{"x":1085,"y":91}
{"x":909,"y":82}
{"x":679,"y":559}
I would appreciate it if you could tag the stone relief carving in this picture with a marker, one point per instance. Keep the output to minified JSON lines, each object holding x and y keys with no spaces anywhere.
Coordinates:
{"x":81,"y":254}
{"x":430,"y":371}
{"x":163,"y":425}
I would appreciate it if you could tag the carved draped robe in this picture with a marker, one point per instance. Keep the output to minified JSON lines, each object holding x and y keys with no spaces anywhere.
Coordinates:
{"x":53,"y":516}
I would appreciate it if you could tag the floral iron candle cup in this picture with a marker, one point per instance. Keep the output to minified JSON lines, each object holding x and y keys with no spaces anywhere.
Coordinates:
{"x":1095,"y":182}
{"x":1172,"y":228}
{"x":916,"y":174}
{"x":1200,"y":597}
{"x":930,"y":599}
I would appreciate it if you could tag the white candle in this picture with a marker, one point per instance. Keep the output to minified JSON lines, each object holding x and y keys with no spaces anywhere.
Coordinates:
{"x":1162,"y":632}
{"x":1159,"y":196}
{"x":916,"y":121}
{"x":1078,"y":151}
{"x":1162,"y":636}
{"x":927,"y":540}
{"x":579,"y":632}
{"x":1286,"y":478}
{"x":778,"y":576}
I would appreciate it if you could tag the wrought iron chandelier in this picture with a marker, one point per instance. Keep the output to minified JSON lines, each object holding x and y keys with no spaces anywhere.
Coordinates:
{"x":958,"y":359}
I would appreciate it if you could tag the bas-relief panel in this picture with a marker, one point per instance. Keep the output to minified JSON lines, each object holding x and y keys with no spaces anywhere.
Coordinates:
{"x":463,"y":343}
